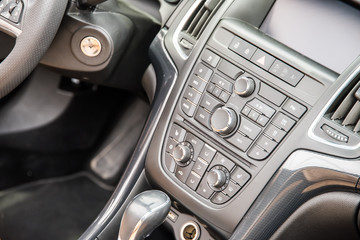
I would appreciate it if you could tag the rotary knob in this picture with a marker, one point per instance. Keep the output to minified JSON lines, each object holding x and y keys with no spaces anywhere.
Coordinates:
{"x":223,"y":120}
{"x":244,"y":86}
{"x":182,"y":153}
{"x":217,"y":178}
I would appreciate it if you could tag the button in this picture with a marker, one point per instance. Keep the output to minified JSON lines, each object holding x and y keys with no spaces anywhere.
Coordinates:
{"x":197,"y":83}
{"x":286,"y":73}
{"x":257,"y":153}
{"x":249,"y":129}
{"x":224,"y":96}
{"x":172,"y":216}
{"x":209,"y":103}
{"x":262,"y":120}
{"x":177,"y":133}
{"x":240,"y":141}
{"x":220,"y":198}
{"x":253,"y":115}
{"x":196,"y":143}
{"x":203,"y":72}
{"x":246,"y":110}
{"x":220,"y":159}
{"x":200,"y":167}
{"x":271,"y":94}
{"x":262,"y":59}
{"x":188,"y":107}
{"x":262,"y":107}
{"x":231,"y":189}
{"x":266,"y":143}
{"x":193,"y":180}
{"x":192,"y":95}
{"x":216,"y":92}
{"x":294,"y":108}
{"x":211,"y":58}
{"x":207,"y":153}
{"x":230,"y":69}
{"x":240,"y":176}
{"x":169,"y":162}
{"x":182,"y":173}
{"x":211,"y":87}
{"x":242,"y":47}
{"x":221,"y":82}
{"x":204,"y":190}
{"x":275,"y":133}
{"x":170,"y":145}
{"x":15,"y":14}
{"x":203,"y":117}
{"x":283,"y":122}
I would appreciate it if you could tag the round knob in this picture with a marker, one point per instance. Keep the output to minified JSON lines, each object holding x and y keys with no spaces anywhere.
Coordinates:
{"x":182,"y":153}
{"x":216,"y":178}
{"x":223,"y":120}
{"x":244,"y":86}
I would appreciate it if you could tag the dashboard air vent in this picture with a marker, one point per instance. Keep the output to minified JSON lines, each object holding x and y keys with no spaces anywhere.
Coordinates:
{"x":200,"y":17}
{"x":347,"y":113}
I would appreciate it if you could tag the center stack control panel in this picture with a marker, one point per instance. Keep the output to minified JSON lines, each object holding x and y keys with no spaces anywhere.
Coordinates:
{"x":232,"y":120}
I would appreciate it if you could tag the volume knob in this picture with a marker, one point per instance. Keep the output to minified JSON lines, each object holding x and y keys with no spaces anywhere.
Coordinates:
{"x":223,"y":120}
{"x":182,"y":153}
{"x":244,"y":86}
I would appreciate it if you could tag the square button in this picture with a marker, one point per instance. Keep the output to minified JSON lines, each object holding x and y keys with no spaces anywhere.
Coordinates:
{"x":262,"y":59}
{"x":211,"y":58}
{"x":207,"y":153}
{"x":200,"y":167}
{"x":242,"y":47}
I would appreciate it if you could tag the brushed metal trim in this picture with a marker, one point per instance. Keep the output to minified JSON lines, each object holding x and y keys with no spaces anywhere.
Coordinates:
{"x":304,"y":175}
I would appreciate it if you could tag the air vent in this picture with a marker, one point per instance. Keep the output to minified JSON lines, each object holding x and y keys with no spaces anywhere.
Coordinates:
{"x":200,"y":18}
{"x":347,"y":112}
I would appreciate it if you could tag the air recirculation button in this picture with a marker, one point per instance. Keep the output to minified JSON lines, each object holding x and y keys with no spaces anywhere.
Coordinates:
{"x":224,"y":120}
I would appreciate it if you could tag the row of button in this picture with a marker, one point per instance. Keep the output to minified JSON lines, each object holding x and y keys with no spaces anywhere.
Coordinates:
{"x":280,"y":125}
{"x":206,"y":157}
{"x":267,"y":62}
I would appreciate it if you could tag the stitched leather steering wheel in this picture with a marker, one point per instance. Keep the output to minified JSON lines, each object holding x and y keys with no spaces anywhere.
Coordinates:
{"x":34,"y":30}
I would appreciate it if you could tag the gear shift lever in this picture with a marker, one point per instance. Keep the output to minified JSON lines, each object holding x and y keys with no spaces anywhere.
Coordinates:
{"x":143,"y":214}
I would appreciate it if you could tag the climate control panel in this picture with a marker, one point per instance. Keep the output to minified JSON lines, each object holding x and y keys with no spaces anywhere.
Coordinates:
{"x":202,"y":168}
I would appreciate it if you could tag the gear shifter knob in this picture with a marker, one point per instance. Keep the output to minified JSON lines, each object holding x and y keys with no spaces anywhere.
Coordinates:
{"x":143,"y":214}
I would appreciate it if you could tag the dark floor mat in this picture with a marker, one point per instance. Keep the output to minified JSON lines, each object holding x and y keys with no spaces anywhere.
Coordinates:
{"x":53,"y":209}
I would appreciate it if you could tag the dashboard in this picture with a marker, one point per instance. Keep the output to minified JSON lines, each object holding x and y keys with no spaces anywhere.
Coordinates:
{"x":257,"y":113}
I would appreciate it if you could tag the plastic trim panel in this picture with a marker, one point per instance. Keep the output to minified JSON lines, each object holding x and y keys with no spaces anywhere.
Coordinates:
{"x":304,"y":175}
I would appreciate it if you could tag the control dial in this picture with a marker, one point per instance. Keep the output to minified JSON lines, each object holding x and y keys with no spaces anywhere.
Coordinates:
{"x":244,"y":86}
{"x":218,"y":178}
{"x":223,"y":120}
{"x":183,"y":153}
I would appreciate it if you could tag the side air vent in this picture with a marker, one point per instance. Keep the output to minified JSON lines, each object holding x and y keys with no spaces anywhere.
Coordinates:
{"x":347,"y":113}
{"x":201,"y":17}
{"x":196,"y":23}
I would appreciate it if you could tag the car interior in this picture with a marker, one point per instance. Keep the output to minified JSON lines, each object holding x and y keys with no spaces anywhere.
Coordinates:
{"x":179,"y":119}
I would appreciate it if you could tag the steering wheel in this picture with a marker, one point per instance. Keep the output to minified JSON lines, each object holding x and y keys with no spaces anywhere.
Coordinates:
{"x":34,"y":28}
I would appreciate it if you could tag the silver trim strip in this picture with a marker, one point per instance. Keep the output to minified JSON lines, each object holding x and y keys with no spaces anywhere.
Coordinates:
{"x":9,"y":28}
{"x":137,"y":161}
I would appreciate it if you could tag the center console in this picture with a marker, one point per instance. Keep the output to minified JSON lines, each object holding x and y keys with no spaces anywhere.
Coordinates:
{"x":241,"y":104}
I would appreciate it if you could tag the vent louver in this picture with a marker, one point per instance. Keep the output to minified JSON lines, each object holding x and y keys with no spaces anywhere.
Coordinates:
{"x":348,"y":111}
{"x":200,"y":18}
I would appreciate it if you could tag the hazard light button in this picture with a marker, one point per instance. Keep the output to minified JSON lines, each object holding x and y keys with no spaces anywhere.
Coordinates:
{"x":262,"y":59}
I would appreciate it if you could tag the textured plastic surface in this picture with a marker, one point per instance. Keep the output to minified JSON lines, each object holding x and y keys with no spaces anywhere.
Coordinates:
{"x":41,"y":19}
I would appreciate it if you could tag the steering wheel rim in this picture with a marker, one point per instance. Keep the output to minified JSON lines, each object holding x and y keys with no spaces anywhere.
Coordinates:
{"x":34,"y":33}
